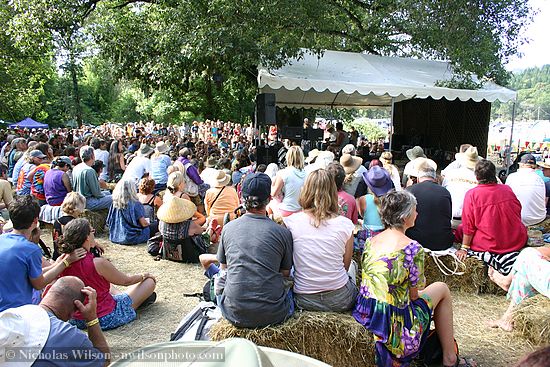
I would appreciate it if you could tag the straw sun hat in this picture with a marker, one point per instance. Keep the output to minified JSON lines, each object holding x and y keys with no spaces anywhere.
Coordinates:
{"x":350,"y":163}
{"x":469,"y":158}
{"x":222,"y":179}
{"x":176,"y":210}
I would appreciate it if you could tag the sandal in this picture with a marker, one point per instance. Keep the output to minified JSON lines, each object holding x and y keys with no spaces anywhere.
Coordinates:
{"x":463,"y":362}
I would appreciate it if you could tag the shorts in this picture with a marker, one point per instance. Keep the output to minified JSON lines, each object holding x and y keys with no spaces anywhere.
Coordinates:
{"x":121,"y":315}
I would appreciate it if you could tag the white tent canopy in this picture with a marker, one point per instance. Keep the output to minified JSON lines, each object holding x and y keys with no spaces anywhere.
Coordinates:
{"x":348,"y":80}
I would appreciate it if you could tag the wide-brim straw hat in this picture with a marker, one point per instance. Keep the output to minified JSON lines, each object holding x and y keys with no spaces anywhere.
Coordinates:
{"x":162,"y":147}
{"x":415,"y":152}
{"x":469,"y":158}
{"x":378,"y":180}
{"x":176,"y":210}
{"x":312,"y":155}
{"x":350,"y":163}
{"x":222,"y":179}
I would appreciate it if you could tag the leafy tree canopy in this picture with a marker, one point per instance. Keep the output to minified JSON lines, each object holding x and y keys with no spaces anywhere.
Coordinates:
{"x":199,"y":57}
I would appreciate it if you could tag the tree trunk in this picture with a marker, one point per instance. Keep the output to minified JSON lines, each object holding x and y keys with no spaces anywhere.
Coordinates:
{"x":210,"y":108}
{"x":76,"y":92}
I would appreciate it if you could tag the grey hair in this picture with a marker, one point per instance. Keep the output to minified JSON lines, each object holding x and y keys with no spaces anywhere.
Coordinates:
{"x":124,"y":192}
{"x":425,"y":170}
{"x":86,"y":153}
{"x":396,"y":207}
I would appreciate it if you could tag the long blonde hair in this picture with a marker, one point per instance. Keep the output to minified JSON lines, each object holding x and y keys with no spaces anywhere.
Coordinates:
{"x":319,"y":196}
{"x":295,"y":157}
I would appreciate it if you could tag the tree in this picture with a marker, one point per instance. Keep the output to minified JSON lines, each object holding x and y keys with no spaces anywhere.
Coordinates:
{"x":204,"y":53}
{"x":23,"y":75}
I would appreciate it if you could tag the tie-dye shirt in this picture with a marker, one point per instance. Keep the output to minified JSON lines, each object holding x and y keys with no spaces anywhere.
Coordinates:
{"x":37,"y":185}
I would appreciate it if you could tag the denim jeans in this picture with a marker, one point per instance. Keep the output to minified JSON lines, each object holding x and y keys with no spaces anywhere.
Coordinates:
{"x":98,"y":204}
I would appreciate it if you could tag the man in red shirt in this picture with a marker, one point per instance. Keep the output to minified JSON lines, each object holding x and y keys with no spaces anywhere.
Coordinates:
{"x":491,"y":222}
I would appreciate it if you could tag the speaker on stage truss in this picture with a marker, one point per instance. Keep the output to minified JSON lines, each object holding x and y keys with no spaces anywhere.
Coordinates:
{"x":292,"y":133}
{"x":265,"y":109}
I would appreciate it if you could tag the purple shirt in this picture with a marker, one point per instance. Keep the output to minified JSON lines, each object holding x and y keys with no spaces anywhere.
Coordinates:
{"x":54,"y":189}
{"x":192,"y":171}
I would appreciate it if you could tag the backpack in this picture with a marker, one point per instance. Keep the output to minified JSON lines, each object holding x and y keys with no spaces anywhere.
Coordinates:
{"x":191,"y":187}
{"x":197,"y":323}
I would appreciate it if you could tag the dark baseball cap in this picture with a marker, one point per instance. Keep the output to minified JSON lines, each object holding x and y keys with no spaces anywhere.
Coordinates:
{"x":528,"y":159}
{"x":37,"y":154}
{"x":257,"y":185}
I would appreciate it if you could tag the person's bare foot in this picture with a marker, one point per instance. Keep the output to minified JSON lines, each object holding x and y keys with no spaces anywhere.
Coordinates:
{"x":506,"y":325}
{"x":503,"y":281}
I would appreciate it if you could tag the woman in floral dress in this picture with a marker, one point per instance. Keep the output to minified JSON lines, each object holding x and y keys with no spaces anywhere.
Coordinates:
{"x":391,"y":303}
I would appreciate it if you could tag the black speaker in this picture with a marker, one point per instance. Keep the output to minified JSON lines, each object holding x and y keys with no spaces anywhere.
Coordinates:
{"x":266,"y":155}
{"x":265,"y":109}
{"x":292,"y":133}
{"x":314,"y":135}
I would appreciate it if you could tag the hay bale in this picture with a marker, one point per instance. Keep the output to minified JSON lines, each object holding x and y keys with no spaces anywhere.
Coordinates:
{"x":97,"y":219}
{"x":336,"y":339}
{"x":532,"y":319}
{"x":474,"y":280}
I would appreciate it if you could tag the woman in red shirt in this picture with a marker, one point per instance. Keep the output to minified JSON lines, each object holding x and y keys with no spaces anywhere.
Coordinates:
{"x":491,"y":228}
{"x":114,"y":308}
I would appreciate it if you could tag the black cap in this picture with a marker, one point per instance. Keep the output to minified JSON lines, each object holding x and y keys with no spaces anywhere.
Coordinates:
{"x":528,"y":159}
{"x":257,"y":185}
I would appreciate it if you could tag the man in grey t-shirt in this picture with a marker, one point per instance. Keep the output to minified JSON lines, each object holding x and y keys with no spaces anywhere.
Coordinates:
{"x":257,"y":254}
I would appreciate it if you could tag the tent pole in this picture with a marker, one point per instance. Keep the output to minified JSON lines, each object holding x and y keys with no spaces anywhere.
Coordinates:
{"x":391,"y":123}
{"x":511,"y":136}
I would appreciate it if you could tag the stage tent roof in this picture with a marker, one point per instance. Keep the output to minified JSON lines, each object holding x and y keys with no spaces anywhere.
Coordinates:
{"x":355,"y":80}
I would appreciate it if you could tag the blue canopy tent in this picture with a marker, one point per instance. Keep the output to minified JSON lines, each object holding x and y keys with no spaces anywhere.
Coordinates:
{"x":28,"y":123}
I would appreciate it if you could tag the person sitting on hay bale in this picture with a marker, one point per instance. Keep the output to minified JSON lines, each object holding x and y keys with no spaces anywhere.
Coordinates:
{"x":257,"y":254}
{"x":322,"y":248}
{"x":392,"y":302}
{"x":114,"y":308}
{"x":491,"y":228}
{"x":433,"y":225}
{"x":126,"y":219}
{"x":530,"y":274}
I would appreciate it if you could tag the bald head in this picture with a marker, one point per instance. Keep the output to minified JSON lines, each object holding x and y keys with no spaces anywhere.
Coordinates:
{"x":61,"y":296}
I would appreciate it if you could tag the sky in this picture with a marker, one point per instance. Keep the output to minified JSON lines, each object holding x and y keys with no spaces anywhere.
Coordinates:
{"x":537,"y":51}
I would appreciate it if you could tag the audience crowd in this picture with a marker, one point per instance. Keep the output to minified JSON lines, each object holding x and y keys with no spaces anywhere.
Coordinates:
{"x":285,"y":230}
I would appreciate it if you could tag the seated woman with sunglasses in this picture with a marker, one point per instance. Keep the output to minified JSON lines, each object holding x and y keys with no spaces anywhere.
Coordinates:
{"x":114,"y":308}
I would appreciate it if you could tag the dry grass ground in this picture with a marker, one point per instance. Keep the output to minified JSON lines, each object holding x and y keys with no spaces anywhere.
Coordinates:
{"x":490,"y":347}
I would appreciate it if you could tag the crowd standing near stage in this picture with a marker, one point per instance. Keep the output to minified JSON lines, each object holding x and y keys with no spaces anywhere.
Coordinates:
{"x":285,"y":229}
